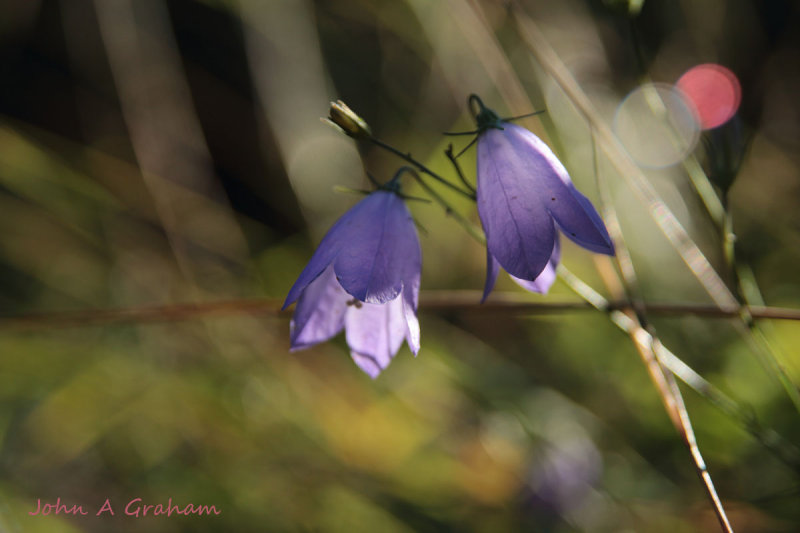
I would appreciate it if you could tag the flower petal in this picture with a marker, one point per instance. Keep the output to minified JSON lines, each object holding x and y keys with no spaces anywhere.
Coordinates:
{"x":582,"y":224}
{"x":320,"y":311}
{"x":372,"y":267}
{"x":350,"y":228}
{"x":411,"y":281}
{"x":492,"y":268}
{"x":375,"y":333}
{"x":542,"y":283}
{"x":572,"y":211}
{"x":519,"y":231}
{"x":412,"y":323}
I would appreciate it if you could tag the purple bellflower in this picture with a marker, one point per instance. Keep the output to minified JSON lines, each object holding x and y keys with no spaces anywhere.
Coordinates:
{"x":524,"y":194}
{"x":363,"y":278}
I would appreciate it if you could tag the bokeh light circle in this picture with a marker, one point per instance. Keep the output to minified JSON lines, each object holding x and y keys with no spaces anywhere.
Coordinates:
{"x":714,"y":91}
{"x":656,"y":125}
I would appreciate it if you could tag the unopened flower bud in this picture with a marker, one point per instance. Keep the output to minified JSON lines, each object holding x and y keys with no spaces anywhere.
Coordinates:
{"x":345,"y":119}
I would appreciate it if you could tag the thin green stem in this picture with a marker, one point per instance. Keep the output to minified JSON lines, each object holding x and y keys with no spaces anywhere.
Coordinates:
{"x":433,"y":300}
{"x":622,"y":256}
{"x":705,"y":190}
{"x":674,"y":365}
{"x":454,"y":161}
{"x":759,"y":344}
{"x":460,"y":133}
{"x":718,"y":209}
{"x":773,"y":441}
{"x":422,"y":168}
{"x":470,"y":228}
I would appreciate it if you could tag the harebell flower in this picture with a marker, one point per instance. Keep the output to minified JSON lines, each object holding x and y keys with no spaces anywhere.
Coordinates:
{"x":364,"y":278}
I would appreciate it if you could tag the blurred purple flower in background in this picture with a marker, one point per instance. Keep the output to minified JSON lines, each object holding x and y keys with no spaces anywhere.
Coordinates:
{"x":364,"y":277}
{"x":563,"y":478}
{"x":524,"y":194}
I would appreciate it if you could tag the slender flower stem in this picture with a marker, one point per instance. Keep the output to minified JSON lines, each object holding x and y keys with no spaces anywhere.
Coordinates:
{"x":755,"y":332}
{"x":780,"y":447}
{"x":454,"y":161}
{"x":662,"y":376}
{"x":718,"y":209}
{"x":463,"y":301}
{"x":728,"y":246}
{"x":622,"y":257}
{"x":676,"y":409}
{"x":470,"y":228}
{"x":785,"y":451}
{"x":674,"y":364}
{"x":644,"y":338}
{"x":751,"y":332}
{"x":422,"y":168}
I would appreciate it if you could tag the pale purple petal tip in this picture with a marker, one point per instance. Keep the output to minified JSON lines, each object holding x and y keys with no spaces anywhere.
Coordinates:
{"x":542,"y":283}
{"x":374,"y":333}
{"x":367,"y":363}
{"x":412,"y":323}
{"x":492,"y":268}
{"x":411,"y":283}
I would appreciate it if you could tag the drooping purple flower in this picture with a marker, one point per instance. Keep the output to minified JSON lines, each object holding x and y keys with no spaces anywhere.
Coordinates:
{"x":364,"y":277}
{"x":524,"y":195}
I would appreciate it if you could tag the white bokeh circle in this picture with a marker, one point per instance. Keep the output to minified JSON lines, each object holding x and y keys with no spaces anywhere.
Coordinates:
{"x":656,"y":125}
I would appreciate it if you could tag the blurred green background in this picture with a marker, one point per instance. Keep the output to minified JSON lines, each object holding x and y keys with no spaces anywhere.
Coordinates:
{"x":156,"y":152}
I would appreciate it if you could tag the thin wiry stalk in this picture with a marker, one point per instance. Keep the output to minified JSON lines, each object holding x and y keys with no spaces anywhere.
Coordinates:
{"x":622,"y":256}
{"x":454,"y":161}
{"x":720,"y":214}
{"x":422,"y":168}
{"x":750,"y":331}
{"x":474,"y":232}
{"x":786,"y":453}
{"x":687,"y":432}
{"x":663,"y":378}
{"x":668,"y":391}
{"x":705,"y":190}
{"x":460,"y":301}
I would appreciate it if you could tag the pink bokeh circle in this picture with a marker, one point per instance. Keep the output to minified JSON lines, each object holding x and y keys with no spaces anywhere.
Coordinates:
{"x":713,"y":91}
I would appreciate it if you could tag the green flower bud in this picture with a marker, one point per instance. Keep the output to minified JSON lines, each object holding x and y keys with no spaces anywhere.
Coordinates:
{"x":346,"y":120}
